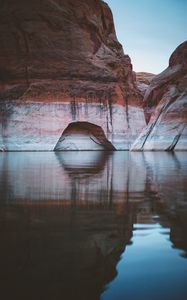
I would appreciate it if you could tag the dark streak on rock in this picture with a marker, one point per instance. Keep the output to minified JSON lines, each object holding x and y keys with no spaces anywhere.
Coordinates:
{"x":110,"y":110}
{"x":127,"y":110}
{"x":175,"y":140}
{"x":73,"y":109}
{"x":174,"y":143}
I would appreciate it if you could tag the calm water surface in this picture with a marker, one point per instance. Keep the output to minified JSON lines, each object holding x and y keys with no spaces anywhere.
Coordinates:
{"x":93,"y":225}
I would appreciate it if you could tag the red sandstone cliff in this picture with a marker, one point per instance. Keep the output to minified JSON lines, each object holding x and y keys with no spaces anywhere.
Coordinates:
{"x":166,"y":106}
{"x":64,"y":54}
{"x":46,"y":46}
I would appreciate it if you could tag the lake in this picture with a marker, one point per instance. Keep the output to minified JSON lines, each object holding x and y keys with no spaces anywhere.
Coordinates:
{"x":93,"y":225}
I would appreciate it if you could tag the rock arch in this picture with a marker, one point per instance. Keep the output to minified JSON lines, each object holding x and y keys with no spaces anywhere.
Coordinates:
{"x":83,"y":136}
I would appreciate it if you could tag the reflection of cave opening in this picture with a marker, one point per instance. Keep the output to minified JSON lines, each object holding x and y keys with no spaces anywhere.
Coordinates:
{"x":83,"y":136}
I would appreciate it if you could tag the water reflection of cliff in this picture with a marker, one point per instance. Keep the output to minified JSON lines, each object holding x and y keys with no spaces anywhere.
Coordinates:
{"x":66,"y":218}
{"x":57,"y":252}
{"x":93,"y":176}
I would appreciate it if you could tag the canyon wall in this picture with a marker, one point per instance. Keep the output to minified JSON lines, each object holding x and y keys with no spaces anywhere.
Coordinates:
{"x":60,"y":63}
{"x":165,"y":105}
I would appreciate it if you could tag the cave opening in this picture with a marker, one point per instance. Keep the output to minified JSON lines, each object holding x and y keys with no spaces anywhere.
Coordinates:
{"x":83,"y":136}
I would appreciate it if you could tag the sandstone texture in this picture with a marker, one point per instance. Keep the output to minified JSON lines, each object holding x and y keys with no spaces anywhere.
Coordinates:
{"x":60,"y":62}
{"x":165,"y":105}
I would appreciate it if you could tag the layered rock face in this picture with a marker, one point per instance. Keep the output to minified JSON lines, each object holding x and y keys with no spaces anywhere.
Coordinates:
{"x":60,"y":62}
{"x":166,"y":107}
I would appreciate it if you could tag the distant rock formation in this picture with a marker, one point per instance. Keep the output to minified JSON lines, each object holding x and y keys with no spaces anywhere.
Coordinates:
{"x":60,"y":62}
{"x":143,"y":80}
{"x":166,"y":107}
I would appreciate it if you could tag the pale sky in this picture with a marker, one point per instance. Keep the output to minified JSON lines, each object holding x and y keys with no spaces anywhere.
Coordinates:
{"x":150,"y":30}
